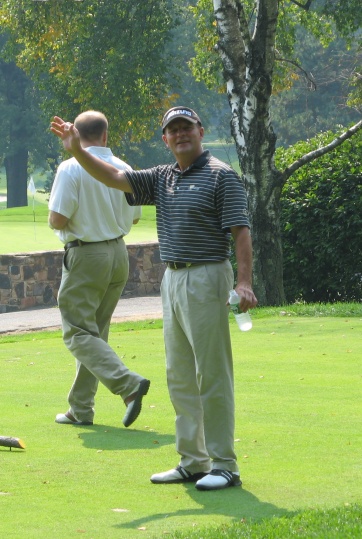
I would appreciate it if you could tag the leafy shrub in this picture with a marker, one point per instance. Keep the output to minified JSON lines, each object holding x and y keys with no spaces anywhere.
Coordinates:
{"x":321,"y":222}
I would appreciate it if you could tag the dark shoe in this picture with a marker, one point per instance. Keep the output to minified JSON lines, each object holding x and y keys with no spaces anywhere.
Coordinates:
{"x":134,"y":403}
{"x":68,"y":419}
{"x":177,"y":475}
{"x":218,"y":479}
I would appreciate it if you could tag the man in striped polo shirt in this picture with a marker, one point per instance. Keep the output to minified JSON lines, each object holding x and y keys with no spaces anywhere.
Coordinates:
{"x":200,"y":203}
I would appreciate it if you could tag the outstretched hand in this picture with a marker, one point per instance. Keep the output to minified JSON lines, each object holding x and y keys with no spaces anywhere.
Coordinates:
{"x":67,"y":133}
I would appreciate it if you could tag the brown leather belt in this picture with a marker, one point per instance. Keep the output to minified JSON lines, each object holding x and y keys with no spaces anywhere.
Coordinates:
{"x":79,"y":243}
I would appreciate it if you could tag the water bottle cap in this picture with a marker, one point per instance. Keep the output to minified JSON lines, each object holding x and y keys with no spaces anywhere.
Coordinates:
{"x":233,"y":297}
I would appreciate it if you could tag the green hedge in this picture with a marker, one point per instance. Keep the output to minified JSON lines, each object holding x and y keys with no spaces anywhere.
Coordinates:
{"x":321,"y":221}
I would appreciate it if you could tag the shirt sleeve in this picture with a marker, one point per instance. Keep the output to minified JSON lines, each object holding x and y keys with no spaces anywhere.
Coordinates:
{"x":143,"y":184}
{"x":64,"y":194}
{"x":231,"y":201}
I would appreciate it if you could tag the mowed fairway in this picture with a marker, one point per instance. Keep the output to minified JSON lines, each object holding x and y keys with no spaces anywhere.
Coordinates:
{"x":25,"y":229}
{"x":298,"y":435}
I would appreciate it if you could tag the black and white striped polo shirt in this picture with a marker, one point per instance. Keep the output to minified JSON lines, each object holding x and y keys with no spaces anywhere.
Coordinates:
{"x":195,"y":208}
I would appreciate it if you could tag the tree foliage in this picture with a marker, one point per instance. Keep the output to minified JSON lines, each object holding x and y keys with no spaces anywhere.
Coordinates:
{"x":102,"y":54}
{"x":321,"y":208}
{"x":347,"y":14}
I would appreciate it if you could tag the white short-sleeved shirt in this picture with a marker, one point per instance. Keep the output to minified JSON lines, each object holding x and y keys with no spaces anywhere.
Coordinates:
{"x":95,"y":212}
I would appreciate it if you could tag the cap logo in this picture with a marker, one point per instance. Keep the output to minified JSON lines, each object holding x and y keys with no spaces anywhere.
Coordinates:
{"x":178,"y":112}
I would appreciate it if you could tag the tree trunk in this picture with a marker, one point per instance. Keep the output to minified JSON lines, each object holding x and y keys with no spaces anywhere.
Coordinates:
{"x":17,"y":131}
{"x":267,"y":246}
{"x":16,"y":167}
{"x":264,"y":185}
{"x":248,"y":62}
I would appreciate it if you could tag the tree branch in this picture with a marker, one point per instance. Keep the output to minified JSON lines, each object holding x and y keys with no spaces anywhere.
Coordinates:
{"x":308,"y":157}
{"x":303,"y":6}
{"x":311,"y":84}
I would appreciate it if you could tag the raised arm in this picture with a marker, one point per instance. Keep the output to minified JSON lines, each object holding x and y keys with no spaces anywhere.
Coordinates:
{"x":100,"y":170}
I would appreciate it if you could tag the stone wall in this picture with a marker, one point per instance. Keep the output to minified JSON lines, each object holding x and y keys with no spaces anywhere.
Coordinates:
{"x":32,"y":279}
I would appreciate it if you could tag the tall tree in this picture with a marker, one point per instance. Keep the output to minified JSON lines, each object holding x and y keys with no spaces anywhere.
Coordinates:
{"x":24,"y":136}
{"x":251,"y":37}
{"x":96,"y":54}
{"x":14,"y":140}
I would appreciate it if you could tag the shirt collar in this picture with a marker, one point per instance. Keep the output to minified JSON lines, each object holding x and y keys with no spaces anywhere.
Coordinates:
{"x":99,"y":150}
{"x":199,"y":163}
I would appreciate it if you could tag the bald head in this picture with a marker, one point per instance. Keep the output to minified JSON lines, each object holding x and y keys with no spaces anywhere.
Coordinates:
{"x":93,"y":127}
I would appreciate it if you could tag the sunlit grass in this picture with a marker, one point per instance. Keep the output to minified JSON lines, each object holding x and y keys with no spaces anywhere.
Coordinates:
{"x":298,"y":439}
{"x":25,"y":229}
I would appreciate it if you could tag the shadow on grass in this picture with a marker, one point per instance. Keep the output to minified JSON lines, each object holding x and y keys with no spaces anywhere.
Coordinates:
{"x":235,"y":503}
{"x":110,"y":438}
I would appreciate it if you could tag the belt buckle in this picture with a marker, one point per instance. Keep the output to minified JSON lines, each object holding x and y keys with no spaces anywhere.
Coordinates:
{"x":188,"y":264}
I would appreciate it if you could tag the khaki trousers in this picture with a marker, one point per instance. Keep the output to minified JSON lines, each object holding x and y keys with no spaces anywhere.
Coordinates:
{"x":93,"y":277}
{"x":199,"y":364}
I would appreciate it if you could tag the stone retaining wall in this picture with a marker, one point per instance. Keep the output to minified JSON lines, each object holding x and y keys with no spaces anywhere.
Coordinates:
{"x":32,"y":279}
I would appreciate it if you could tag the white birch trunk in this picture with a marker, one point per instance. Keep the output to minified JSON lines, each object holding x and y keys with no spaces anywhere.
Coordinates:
{"x":248,"y":61}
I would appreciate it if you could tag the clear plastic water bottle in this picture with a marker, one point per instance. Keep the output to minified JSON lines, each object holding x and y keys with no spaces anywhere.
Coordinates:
{"x":243,"y":319}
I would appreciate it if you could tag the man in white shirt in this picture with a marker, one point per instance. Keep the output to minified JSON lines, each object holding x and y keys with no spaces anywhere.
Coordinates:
{"x":91,"y":221}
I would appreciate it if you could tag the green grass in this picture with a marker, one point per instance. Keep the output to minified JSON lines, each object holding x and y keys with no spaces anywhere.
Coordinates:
{"x":298,"y":438}
{"x":25,"y":229}
{"x":338,"y":523}
{"x":223,"y":151}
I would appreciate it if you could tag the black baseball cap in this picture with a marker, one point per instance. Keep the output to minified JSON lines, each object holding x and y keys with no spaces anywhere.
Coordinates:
{"x":180,"y":112}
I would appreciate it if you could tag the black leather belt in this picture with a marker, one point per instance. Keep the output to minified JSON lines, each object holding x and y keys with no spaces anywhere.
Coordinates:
{"x":182,"y":265}
{"x":79,"y":243}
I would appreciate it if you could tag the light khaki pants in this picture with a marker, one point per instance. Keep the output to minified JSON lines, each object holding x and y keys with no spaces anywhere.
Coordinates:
{"x":93,"y":277}
{"x":199,"y":364}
